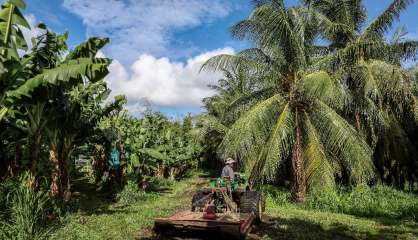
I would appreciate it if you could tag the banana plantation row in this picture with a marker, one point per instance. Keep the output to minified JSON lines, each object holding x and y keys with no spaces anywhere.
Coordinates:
{"x":320,"y":100}
{"x":55,"y":106}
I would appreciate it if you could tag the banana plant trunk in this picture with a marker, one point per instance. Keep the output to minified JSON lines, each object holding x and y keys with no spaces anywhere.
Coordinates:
{"x":298,"y":183}
{"x":65,"y":168}
{"x":15,"y":165}
{"x":358,"y":121}
{"x":123,"y":162}
{"x":173,"y":173}
{"x":99,"y":164}
{"x":35,"y":148}
{"x":55,"y":176}
{"x":160,"y":170}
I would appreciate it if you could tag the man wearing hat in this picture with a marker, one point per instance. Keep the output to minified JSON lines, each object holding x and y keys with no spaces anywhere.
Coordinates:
{"x":228,"y":170}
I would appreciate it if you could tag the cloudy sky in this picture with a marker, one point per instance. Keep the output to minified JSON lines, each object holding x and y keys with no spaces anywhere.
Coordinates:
{"x":158,"y":46}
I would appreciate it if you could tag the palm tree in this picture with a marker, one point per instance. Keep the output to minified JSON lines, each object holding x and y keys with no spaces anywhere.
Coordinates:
{"x":296,"y":118}
{"x":382,"y":104}
{"x":223,"y":109}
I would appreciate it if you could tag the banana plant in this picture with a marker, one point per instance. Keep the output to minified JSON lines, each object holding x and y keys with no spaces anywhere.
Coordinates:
{"x":11,"y":21}
{"x":12,"y":40}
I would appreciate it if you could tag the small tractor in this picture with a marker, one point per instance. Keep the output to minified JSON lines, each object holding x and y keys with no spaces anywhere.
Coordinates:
{"x":227,"y":208}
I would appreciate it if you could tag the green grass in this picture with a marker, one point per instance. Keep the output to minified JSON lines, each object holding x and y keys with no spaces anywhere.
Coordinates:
{"x":293,"y":222}
{"x":98,"y":218}
{"x":378,"y":201}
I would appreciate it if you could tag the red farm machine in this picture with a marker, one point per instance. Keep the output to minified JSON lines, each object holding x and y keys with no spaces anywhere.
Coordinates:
{"x":226,"y":209}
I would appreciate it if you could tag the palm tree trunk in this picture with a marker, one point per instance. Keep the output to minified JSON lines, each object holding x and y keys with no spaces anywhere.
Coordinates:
{"x":298,"y":171}
{"x":55,"y":184}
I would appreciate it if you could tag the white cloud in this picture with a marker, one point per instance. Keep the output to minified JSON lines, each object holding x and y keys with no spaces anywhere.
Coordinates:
{"x":141,"y":26}
{"x":28,"y":34}
{"x":163,"y":82}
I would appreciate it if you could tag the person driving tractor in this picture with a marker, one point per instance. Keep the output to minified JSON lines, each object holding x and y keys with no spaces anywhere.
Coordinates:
{"x":228,"y":170}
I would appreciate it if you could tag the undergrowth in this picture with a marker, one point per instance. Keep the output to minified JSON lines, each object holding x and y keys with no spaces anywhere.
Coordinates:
{"x":132,"y":194}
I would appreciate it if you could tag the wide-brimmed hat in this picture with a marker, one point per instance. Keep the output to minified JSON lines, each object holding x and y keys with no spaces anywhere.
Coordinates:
{"x":230,"y":160}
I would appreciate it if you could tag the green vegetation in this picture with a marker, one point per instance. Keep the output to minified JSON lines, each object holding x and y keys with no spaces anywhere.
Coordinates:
{"x":283,"y":219}
{"x":294,"y":222}
{"x":318,"y":116}
{"x":109,"y":220}
{"x":320,"y":113}
{"x":378,"y":201}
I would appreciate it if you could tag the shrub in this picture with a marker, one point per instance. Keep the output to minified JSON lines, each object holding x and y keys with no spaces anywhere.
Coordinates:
{"x":277,"y":196}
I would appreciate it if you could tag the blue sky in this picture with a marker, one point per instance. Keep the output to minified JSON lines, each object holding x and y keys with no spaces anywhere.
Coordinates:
{"x":158,"y":45}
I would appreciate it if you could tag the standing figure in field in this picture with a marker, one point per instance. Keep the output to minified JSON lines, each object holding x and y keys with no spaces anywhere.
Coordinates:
{"x":228,"y":170}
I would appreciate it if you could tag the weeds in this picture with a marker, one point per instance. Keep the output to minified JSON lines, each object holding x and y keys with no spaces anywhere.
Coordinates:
{"x":24,"y":211}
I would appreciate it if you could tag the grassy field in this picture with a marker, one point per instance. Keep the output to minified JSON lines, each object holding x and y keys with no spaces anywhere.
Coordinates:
{"x":292,"y":222}
{"x":100,"y":218}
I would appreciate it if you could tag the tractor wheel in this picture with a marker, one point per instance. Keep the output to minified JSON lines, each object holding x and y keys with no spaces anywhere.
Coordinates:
{"x":252,"y":202}
{"x":196,"y":205}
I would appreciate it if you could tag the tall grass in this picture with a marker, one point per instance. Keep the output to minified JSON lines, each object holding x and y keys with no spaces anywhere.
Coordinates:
{"x":24,"y":211}
{"x":363,"y":201}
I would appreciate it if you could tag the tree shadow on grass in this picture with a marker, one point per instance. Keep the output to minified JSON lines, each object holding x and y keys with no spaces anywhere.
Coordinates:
{"x":294,"y":228}
{"x":88,"y":200}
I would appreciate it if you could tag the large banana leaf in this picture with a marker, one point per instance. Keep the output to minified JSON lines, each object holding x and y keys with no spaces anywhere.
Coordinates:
{"x":93,"y":69}
{"x":3,"y":112}
{"x":154,"y":154}
{"x":11,"y":19}
{"x":88,"y":49}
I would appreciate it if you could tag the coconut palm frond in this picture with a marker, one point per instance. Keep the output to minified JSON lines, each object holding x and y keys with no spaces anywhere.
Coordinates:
{"x":383,"y":23}
{"x":276,"y":27}
{"x":249,"y":133}
{"x":341,"y":138}
{"x":255,"y":96}
{"x":232,"y":63}
{"x":398,"y":52}
{"x":211,"y":123}
{"x":319,"y":170}
{"x":319,"y":85}
{"x":277,"y":147}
